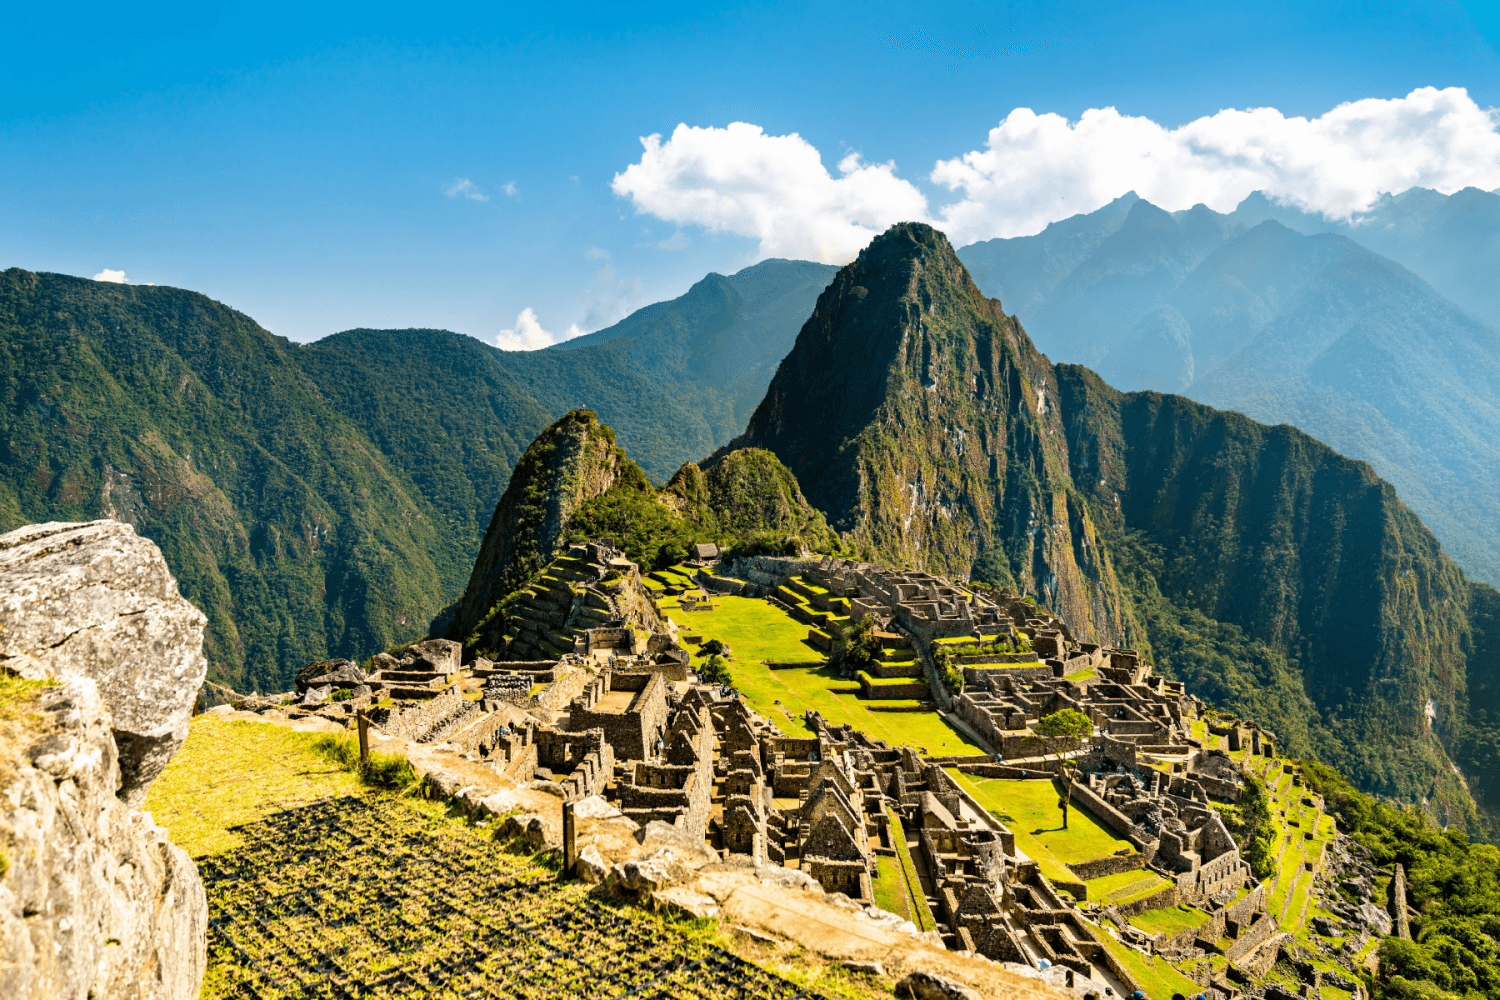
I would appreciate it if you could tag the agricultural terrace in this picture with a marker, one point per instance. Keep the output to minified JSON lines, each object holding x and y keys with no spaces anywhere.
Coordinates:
{"x":757,"y":630}
{"x":1303,"y":835}
{"x":319,"y":888}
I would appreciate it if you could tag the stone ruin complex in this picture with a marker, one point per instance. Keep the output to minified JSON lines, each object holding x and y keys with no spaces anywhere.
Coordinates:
{"x":598,"y":699}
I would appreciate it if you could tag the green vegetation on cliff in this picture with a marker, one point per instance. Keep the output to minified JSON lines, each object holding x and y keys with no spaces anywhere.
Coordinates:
{"x":1283,"y":581}
{"x":920,"y":419}
{"x":1453,"y":885}
{"x":296,"y":535}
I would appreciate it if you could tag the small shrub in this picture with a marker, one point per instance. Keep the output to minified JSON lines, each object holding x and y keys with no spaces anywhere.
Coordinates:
{"x":382,"y":770}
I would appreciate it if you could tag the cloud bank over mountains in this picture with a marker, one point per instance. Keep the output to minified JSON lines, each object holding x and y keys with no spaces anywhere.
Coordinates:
{"x":528,"y":335}
{"x":1035,"y":169}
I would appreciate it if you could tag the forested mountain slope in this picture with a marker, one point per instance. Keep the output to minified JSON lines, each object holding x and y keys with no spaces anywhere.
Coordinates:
{"x":328,"y":498}
{"x":280,"y":518}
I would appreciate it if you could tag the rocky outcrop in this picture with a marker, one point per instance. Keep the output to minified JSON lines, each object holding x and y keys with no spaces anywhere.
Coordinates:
{"x":95,"y":600}
{"x":95,"y":901}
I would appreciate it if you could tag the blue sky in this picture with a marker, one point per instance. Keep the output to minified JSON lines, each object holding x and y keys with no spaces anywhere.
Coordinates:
{"x":307,"y":164}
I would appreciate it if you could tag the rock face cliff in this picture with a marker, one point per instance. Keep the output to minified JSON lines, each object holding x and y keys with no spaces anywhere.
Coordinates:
{"x":95,"y":900}
{"x":570,"y":463}
{"x":921,"y":420}
{"x":96,"y":600}
{"x":100,"y":660}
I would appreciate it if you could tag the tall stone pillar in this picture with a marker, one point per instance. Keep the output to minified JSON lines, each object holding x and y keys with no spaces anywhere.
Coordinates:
{"x":1398,"y":903}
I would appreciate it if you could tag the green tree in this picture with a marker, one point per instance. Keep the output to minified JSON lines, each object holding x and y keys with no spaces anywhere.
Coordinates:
{"x":715,"y":670}
{"x":1069,"y":722}
{"x":856,"y":646}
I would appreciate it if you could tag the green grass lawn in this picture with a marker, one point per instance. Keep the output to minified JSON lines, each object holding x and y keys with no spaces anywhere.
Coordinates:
{"x":889,"y":681}
{"x":229,"y":773}
{"x":1081,"y":675}
{"x":757,"y":630}
{"x":1029,"y":808}
{"x":890,"y":888}
{"x":1171,"y":920}
{"x":1155,"y":974}
{"x":1106,"y":884}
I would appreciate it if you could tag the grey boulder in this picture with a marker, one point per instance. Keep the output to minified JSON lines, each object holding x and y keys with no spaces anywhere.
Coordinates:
{"x":330,"y":673}
{"x":440,"y":656}
{"x":927,"y":986}
{"x":95,"y":600}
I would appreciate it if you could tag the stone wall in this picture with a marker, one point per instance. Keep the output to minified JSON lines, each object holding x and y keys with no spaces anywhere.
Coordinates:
{"x":414,"y":721}
{"x":672,"y":793}
{"x":1022,"y":675}
{"x":1114,"y":865}
{"x":1241,"y":913}
{"x":893,"y":692}
{"x":1257,"y":934}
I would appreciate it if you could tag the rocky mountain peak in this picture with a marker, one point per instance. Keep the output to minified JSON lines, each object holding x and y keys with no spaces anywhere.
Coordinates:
{"x":923,"y":422}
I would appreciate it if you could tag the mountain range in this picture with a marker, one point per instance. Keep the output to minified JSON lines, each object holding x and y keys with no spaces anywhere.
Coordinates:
{"x":1378,"y":337}
{"x":329,"y":499}
{"x":1275,"y":574}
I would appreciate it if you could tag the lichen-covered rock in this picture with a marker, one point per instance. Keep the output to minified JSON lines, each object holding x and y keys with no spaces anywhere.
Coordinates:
{"x":686,"y":902}
{"x":591,"y":868}
{"x":649,"y":874}
{"x":330,"y":673}
{"x":95,"y":901}
{"x":95,"y":600}
{"x":927,"y":986}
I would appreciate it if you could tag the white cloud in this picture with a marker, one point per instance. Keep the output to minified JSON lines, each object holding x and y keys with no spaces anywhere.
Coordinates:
{"x":510,"y":189}
{"x":677,"y":241}
{"x":118,"y":277}
{"x":1036,"y":169}
{"x":465,"y":188}
{"x":528,"y":335}
{"x":595,"y":253}
{"x":610,"y":297}
{"x":774,"y":189}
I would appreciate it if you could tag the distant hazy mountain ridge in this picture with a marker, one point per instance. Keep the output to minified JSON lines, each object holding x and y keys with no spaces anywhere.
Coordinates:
{"x":1290,"y":318}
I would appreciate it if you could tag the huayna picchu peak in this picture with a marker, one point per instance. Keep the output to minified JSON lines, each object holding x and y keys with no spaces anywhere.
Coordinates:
{"x":916,"y":416}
